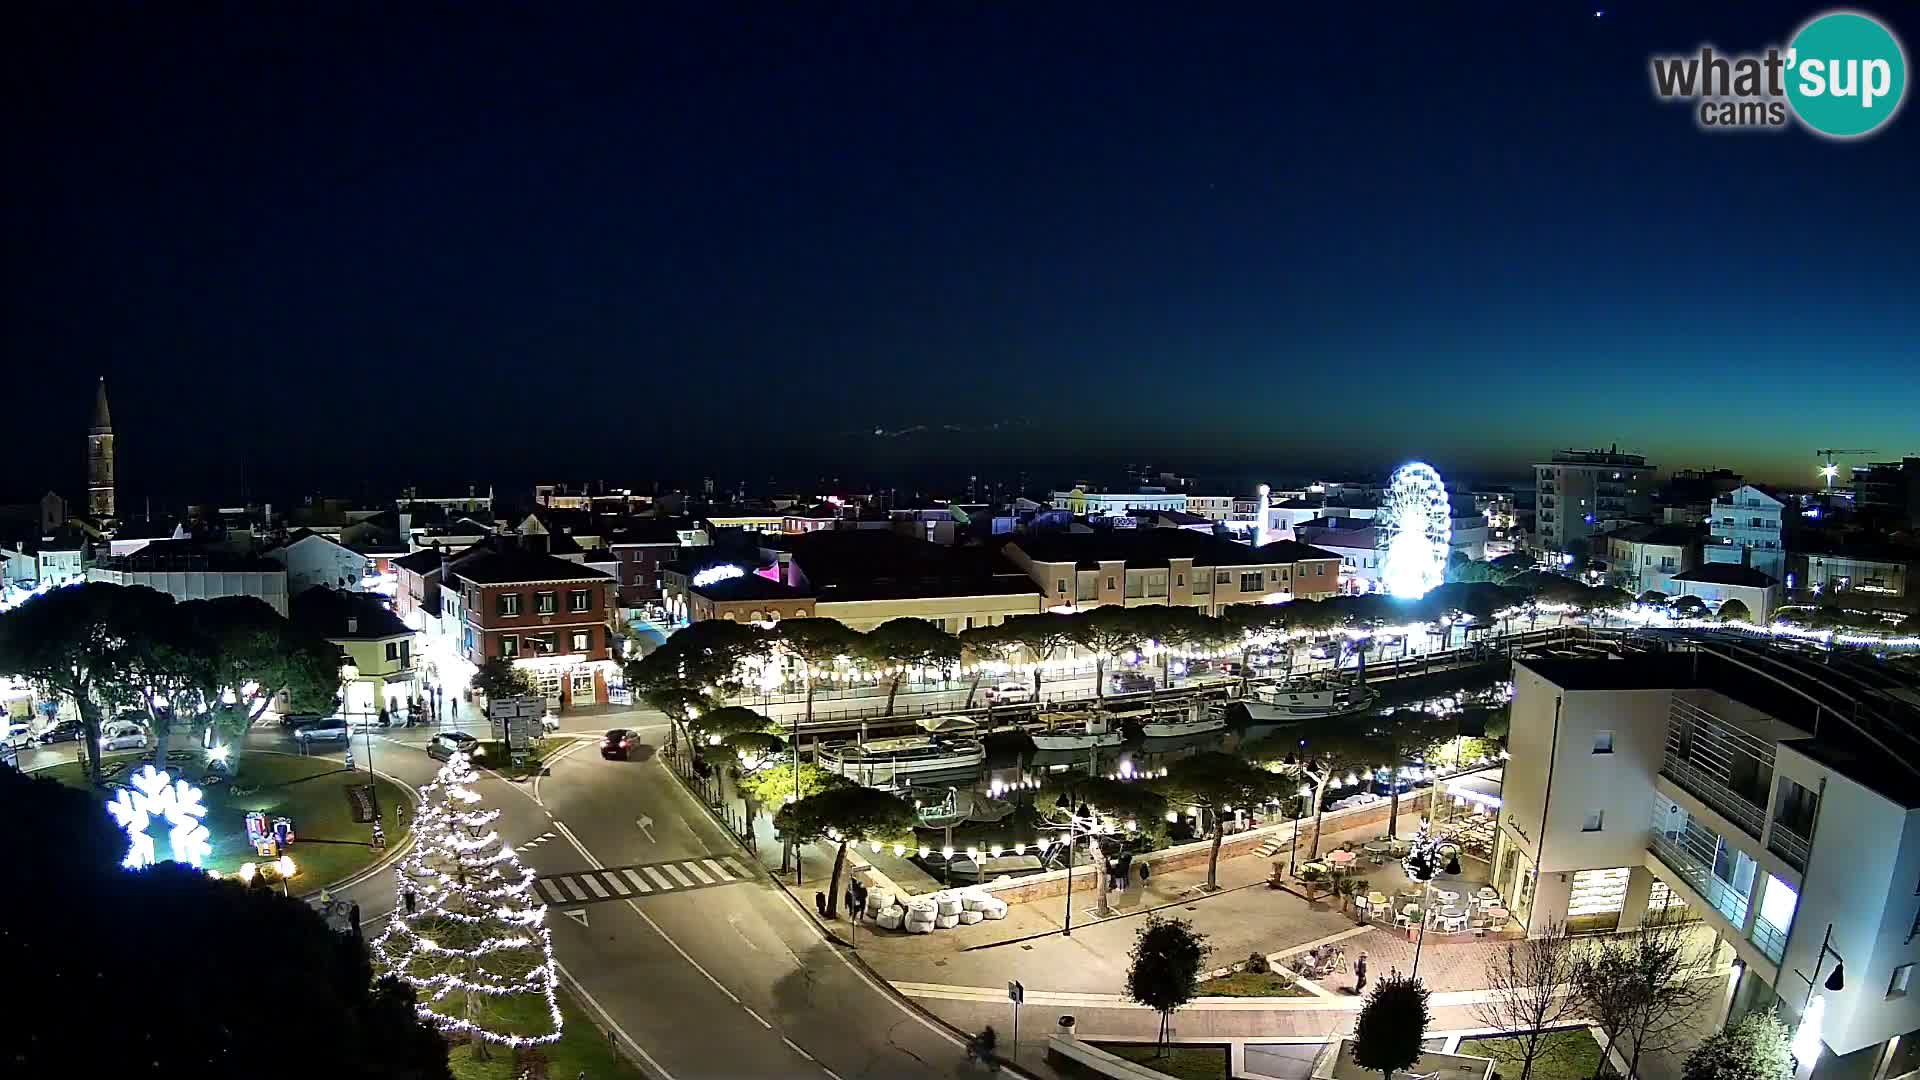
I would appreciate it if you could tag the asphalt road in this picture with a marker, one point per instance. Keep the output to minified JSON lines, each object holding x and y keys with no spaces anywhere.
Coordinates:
{"x":716,"y":980}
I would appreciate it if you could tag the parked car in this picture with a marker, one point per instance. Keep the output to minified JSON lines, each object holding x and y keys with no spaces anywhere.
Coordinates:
{"x":121,"y":735}
{"x":64,"y":731}
{"x":1010,"y":693}
{"x":329,"y":729}
{"x":448,"y":743}
{"x":19,"y":735}
{"x":549,"y":723}
{"x":617,"y":743}
{"x":1132,"y":682}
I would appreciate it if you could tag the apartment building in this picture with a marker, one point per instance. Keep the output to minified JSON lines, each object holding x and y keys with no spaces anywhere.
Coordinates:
{"x":1077,"y":571}
{"x":1775,"y":799}
{"x":1745,"y":529}
{"x":1646,"y":558}
{"x":1581,"y":492}
{"x":1860,"y":575}
{"x":1084,"y":503}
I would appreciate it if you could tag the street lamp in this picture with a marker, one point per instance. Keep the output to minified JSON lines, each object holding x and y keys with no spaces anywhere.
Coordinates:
{"x":1813,"y":1010}
{"x":1299,"y":808}
{"x":1080,"y":822}
{"x":287,"y":869}
{"x":351,"y":672}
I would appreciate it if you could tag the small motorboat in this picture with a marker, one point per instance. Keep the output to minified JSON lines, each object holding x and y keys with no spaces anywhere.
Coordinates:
{"x":1067,"y":731}
{"x":1309,"y":697}
{"x":1195,"y":721}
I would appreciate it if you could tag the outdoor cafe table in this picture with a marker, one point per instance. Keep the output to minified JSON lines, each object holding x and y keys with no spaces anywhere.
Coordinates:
{"x":1340,"y":859}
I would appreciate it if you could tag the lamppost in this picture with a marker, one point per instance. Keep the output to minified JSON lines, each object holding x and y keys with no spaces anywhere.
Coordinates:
{"x":287,"y":869}
{"x":1299,"y":808}
{"x":1080,"y":822}
{"x":1813,"y":1010}
{"x":351,"y":672}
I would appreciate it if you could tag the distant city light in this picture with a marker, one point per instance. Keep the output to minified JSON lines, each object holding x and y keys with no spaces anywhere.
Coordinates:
{"x":712,"y":574}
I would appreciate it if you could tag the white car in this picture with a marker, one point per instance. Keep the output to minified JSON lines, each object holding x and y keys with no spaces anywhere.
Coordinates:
{"x":122,"y":736}
{"x":1010,"y":693}
{"x":19,"y":735}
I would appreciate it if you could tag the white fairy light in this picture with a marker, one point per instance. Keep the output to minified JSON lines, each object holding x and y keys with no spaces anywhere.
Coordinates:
{"x":1416,"y":525}
{"x":468,"y":886}
{"x":156,"y":794}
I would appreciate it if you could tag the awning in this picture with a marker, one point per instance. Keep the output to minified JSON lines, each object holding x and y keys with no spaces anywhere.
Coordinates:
{"x":1482,"y":788}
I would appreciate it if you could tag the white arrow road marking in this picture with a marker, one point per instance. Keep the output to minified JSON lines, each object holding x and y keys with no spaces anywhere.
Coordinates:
{"x":578,"y":915}
{"x":645,"y":825}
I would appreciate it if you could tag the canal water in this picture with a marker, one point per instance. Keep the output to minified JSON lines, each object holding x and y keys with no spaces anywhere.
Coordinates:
{"x":999,"y":802}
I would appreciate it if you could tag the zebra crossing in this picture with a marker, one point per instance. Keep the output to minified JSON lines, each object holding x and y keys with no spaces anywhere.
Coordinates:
{"x":643,"y":879}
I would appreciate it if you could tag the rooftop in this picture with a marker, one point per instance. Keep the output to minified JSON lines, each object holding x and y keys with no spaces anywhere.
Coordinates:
{"x":517,"y":565}
{"x":1138,"y":548}
{"x":748,"y":587}
{"x":1291,"y":551}
{"x":1728,"y":574}
{"x":1657,"y":535}
{"x":327,"y":612}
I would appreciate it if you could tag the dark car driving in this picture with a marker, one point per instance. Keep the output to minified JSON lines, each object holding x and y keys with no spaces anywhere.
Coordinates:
{"x":616,"y":744}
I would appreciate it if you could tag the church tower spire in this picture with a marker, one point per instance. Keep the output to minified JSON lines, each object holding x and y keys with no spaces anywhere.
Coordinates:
{"x":100,"y":487}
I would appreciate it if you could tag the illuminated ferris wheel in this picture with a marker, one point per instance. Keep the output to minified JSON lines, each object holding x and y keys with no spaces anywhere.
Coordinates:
{"x":1416,"y":525}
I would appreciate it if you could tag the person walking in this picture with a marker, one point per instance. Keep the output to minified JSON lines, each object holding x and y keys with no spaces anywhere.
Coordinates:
{"x":1360,"y":975}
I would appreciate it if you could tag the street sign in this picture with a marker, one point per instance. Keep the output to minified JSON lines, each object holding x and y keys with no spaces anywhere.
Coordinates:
{"x":516,"y":720}
{"x":1016,"y":993}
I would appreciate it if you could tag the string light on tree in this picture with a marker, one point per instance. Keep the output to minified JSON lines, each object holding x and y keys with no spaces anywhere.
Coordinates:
{"x":477,"y":933}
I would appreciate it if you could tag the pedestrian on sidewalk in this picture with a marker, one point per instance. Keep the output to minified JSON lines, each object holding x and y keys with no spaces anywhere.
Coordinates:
{"x":1145,"y":870}
{"x":1360,"y":975}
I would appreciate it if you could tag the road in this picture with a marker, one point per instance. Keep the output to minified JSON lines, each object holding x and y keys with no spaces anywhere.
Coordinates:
{"x":703,"y":980}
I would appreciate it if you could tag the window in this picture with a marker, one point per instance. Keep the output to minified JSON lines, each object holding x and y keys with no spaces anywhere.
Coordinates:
{"x":1603,"y":742}
{"x":509,"y":646}
{"x":582,"y":640}
{"x":406,"y":654}
{"x":1250,"y":582}
{"x":509,"y":604}
{"x":545,"y":603}
{"x":1060,"y":586}
{"x":466,"y":640}
{"x":1179,"y":579}
{"x":579,"y":600}
{"x":1221,"y":577}
{"x":1897,"y":986}
{"x":1595,"y":818}
{"x":1110,"y":583}
{"x":1320,"y":570}
{"x":393,"y":650}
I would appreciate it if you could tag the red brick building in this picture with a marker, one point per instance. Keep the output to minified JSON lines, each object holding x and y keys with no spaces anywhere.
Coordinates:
{"x":639,"y":551}
{"x":549,"y":615}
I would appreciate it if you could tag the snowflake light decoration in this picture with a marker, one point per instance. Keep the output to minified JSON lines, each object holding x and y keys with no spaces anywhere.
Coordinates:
{"x":156,"y":794}
{"x":1417,"y":525}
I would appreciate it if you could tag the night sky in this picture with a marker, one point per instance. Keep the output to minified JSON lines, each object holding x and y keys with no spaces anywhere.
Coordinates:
{"x":368,"y":247}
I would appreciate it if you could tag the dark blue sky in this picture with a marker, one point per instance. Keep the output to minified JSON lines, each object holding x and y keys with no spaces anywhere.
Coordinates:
{"x":475,"y":241}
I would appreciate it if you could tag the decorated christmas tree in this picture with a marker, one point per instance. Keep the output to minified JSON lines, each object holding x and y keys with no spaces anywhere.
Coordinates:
{"x":470,"y":935}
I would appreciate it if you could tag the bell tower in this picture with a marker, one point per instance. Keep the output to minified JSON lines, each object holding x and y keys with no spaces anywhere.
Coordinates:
{"x":100,"y":487}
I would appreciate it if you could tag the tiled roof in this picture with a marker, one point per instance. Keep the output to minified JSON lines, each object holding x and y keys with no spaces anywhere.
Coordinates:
{"x":514,"y":565}
{"x":1727,"y":574}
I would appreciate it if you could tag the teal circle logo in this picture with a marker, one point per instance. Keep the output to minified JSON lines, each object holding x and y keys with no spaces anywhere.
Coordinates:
{"x":1846,"y":74}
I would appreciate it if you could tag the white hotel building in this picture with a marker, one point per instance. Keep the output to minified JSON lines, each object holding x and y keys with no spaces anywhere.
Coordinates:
{"x":1773,"y":796}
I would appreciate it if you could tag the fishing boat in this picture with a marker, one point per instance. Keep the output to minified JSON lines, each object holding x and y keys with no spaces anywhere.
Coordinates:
{"x":1195,"y":721}
{"x":887,"y":762}
{"x":1309,"y":697}
{"x":1066,"y":731}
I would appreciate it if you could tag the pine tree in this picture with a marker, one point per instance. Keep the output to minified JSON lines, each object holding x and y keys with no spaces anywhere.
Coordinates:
{"x":475,"y":948}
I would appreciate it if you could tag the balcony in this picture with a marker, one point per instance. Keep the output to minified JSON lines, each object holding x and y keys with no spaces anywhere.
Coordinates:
{"x":1769,"y":939}
{"x":1689,"y":867}
{"x":1722,"y":799}
{"x":1789,"y":845}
